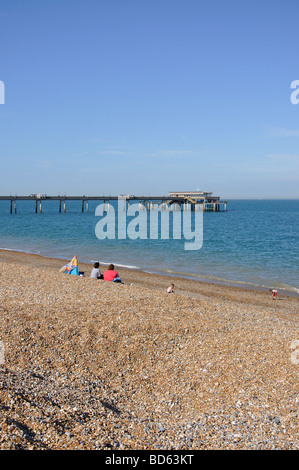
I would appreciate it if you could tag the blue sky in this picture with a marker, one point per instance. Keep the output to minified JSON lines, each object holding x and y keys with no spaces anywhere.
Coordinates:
{"x":149,"y":96}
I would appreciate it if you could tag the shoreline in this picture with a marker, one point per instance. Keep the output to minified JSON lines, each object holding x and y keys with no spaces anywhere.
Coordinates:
{"x":156,"y":273}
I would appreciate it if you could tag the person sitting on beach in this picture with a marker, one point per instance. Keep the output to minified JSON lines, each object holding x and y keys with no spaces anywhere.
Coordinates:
{"x":170,"y":289}
{"x":96,"y":273}
{"x":111,"y":274}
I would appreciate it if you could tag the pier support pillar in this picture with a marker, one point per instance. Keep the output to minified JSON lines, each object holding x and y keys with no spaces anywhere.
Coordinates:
{"x":40,"y":207}
{"x":64,"y":208}
{"x":15,"y":207}
{"x":86,"y":205}
{"x":60,"y":205}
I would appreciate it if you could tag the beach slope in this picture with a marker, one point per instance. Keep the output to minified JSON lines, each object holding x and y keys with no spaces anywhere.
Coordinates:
{"x":88,"y":364}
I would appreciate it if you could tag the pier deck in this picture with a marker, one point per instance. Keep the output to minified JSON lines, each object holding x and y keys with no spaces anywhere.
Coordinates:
{"x":206,"y":200}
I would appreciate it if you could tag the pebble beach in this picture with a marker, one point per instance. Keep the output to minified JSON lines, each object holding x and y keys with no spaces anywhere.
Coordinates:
{"x":87,"y":364}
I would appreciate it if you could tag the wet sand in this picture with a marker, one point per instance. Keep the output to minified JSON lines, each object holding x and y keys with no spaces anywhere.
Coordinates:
{"x":88,"y":364}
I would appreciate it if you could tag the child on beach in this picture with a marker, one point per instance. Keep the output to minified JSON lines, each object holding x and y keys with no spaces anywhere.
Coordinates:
{"x":111,"y":274}
{"x":95,"y":273}
{"x":170,"y":289}
{"x":274,"y":293}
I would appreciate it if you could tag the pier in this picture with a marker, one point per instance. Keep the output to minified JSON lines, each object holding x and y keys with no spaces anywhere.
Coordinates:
{"x":188,"y":200}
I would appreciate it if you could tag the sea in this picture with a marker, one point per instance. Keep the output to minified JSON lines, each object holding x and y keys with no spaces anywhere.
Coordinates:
{"x":254,"y":244}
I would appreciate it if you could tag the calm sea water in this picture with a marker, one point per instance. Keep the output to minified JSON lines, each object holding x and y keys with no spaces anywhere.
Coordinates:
{"x":254,"y":243}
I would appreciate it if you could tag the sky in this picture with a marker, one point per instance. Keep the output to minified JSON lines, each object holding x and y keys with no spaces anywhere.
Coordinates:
{"x":149,"y":96}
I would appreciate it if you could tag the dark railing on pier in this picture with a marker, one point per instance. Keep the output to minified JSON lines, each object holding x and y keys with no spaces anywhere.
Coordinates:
{"x":209,"y":203}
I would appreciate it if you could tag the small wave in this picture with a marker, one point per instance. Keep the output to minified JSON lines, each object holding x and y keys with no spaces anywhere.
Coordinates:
{"x":127,"y":266}
{"x":119,"y":265}
{"x":15,"y":249}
